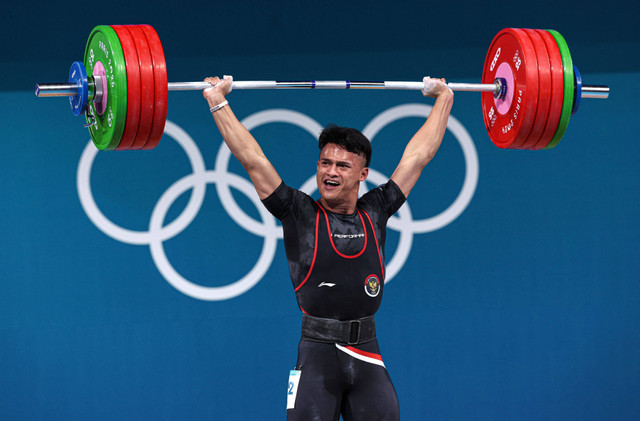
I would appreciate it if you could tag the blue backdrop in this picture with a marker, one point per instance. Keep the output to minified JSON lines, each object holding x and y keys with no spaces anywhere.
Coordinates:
{"x":151,"y":285}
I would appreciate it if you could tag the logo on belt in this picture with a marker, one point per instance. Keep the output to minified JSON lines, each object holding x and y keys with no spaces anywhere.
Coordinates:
{"x":372,"y":286}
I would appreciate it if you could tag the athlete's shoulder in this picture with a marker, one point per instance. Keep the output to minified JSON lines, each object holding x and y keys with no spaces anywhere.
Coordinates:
{"x":286,"y":201}
{"x":387,"y":198}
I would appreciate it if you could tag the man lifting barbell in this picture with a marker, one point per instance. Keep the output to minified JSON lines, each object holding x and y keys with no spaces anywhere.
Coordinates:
{"x":335,"y":249}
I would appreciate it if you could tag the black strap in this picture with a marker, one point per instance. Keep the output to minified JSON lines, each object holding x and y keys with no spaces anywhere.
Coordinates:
{"x":352,"y":332}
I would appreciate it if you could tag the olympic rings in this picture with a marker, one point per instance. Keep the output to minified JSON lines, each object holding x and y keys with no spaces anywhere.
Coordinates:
{"x":267,"y":227}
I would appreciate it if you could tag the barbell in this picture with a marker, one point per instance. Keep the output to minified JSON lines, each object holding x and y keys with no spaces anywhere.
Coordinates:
{"x":530,"y":88}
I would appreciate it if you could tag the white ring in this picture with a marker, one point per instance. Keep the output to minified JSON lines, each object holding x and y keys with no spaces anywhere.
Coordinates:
{"x":142,"y":237}
{"x":178,"y":281}
{"x":224,"y":155}
{"x":470,"y":157}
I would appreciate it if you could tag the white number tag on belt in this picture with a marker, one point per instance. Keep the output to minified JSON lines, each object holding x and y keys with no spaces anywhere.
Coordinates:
{"x":292,"y":389}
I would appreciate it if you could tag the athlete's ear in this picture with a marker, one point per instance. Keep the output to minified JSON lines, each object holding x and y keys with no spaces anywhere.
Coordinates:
{"x":364,"y":174}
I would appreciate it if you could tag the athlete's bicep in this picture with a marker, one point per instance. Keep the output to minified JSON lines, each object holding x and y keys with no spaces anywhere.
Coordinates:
{"x":264,"y":177}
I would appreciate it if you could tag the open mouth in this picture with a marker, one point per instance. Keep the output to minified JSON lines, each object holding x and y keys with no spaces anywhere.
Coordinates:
{"x":331,"y":183}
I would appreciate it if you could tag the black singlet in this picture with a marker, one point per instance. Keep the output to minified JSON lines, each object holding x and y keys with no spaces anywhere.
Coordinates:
{"x":336,"y":278}
{"x":336,"y":263}
{"x":300,"y":214}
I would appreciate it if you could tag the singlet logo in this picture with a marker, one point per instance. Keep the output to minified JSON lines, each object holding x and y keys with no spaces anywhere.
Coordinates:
{"x":349,"y":236}
{"x":372,"y":286}
{"x":326,"y":284}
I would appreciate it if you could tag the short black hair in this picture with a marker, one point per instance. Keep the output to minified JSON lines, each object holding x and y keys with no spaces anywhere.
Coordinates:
{"x":350,"y":139}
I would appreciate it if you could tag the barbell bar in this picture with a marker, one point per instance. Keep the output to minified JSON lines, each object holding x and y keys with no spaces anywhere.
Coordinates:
{"x":529,"y":88}
{"x":71,"y":89}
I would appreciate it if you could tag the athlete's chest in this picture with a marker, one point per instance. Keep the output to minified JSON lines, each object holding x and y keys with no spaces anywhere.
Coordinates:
{"x":347,"y":233}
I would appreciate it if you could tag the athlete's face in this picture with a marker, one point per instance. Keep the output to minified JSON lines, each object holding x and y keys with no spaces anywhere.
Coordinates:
{"x":339,"y":174}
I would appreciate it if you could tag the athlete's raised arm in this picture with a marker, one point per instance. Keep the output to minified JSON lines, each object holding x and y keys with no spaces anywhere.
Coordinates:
{"x":241,"y":143}
{"x":425,"y":143}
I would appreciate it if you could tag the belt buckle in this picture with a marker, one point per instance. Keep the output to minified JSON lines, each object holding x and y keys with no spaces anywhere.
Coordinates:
{"x":357,"y":324}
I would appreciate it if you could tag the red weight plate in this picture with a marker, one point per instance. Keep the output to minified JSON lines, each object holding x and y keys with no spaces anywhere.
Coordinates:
{"x":557,"y":89}
{"x":147,"y":105}
{"x":133,"y":87}
{"x":509,"y":120}
{"x":161,"y":86}
{"x":544,"y":89}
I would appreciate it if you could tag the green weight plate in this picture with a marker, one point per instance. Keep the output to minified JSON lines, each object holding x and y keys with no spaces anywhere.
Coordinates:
{"x":567,"y":103}
{"x":103,"y":55}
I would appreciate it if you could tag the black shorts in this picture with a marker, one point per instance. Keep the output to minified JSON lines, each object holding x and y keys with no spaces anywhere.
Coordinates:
{"x":335,"y":380}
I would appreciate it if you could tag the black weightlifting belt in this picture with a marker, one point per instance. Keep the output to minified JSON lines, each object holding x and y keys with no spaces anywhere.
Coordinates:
{"x":352,"y":332}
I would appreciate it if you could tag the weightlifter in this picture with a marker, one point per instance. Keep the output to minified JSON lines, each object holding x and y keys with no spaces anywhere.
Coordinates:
{"x":335,"y":251}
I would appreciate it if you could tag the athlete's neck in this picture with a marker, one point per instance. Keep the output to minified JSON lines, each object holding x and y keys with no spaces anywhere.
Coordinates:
{"x":346,"y":208}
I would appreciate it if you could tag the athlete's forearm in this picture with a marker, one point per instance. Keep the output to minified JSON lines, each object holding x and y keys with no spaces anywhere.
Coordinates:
{"x":247,"y":151}
{"x":423,"y":145}
{"x":427,"y":140}
{"x":241,"y":143}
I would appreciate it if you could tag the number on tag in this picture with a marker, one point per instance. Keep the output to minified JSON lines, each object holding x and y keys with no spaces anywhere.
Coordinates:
{"x":292,"y":389}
